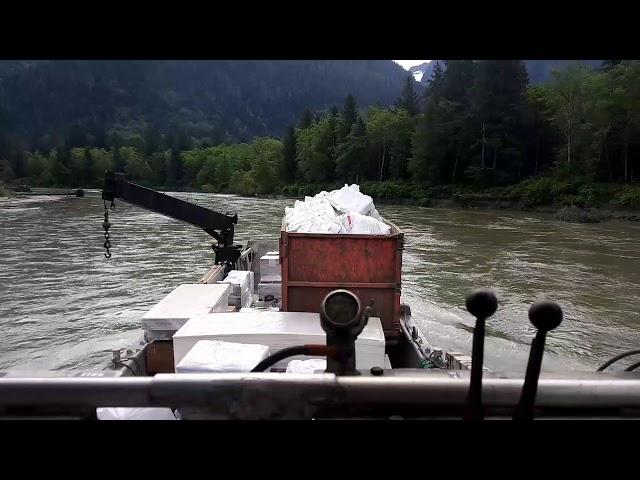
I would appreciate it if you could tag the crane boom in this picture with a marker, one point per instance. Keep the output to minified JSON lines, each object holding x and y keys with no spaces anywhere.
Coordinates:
{"x":219,"y":226}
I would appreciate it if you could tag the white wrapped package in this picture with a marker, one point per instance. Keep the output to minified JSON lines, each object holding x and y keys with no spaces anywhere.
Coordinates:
{"x":356,"y":223}
{"x":242,"y":282}
{"x":151,"y":413}
{"x":214,"y":356}
{"x":269,"y":289}
{"x":307,"y":366}
{"x":270,"y":265}
{"x":318,"y":214}
{"x":315,"y":214}
{"x":185,"y":301}
{"x":349,"y":199}
{"x":277,"y":330}
{"x":271,"y":279}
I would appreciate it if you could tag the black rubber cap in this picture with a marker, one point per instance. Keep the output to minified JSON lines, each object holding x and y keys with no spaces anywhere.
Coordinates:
{"x":376,"y":371}
{"x":545,"y":315}
{"x":482,"y":303}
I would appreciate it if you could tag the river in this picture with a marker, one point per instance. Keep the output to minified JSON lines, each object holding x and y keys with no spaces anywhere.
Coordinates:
{"x":64,"y":306}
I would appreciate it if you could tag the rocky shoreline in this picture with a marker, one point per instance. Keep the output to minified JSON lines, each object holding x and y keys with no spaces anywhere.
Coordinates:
{"x":573,"y":214}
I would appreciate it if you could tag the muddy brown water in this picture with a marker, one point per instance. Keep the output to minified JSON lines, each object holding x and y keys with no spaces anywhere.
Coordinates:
{"x":64,"y":306}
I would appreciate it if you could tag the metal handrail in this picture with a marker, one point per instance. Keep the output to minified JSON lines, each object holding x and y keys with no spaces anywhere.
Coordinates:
{"x":278,"y":395}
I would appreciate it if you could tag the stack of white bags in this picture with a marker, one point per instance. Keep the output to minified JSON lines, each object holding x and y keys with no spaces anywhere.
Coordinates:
{"x":213,"y":356}
{"x":343,"y":211}
{"x":275,"y":330}
{"x":242,"y":287}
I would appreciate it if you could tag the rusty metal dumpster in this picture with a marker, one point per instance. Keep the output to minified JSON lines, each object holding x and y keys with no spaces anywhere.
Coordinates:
{"x":368,"y":265}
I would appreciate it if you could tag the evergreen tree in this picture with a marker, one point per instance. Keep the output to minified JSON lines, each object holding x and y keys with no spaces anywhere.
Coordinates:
{"x":306,"y":120}
{"x":348,"y":118}
{"x":223,"y":173}
{"x":175,"y":169}
{"x":59,"y":172}
{"x":118,"y":161}
{"x":152,"y":141}
{"x":498,"y":112}
{"x":351,"y":156}
{"x":264,"y":176}
{"x":608,"y":65}
{"x":87,"y":169}
{"x":289,"y":155}
{"x":435,"y":84}
{"x":350,"y":112}
{"x":409,"y":98}
{"x":457,"y":81}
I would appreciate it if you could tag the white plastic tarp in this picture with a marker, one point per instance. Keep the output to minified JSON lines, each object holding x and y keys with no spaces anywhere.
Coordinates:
{"x":126,"y":413}
{"x":277,"y":330}
{"x":343,"y":211}
{"x":307,"y":366}
{"x":214,"y":356}
{"x":242,"y":282}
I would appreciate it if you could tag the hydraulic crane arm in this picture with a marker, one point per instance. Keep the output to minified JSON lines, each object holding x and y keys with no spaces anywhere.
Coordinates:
{"x":219,"y":226}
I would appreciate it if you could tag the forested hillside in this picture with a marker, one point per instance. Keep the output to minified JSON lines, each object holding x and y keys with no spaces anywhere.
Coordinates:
{"x":478,"y":124}
{"x":540,"y":71}
{"x":71,"y":103}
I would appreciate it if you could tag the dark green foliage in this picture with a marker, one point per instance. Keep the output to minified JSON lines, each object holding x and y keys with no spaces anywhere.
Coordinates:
{"x":306,"y":120}
{"x":435,"y":86}
{"x":152,"y":141}
{"x":389,"y":190}
{"x":609,"y":64}
{"x":629,"y":196}
{"x":347,"y":119}
{"x":481,"y":132}
{"x":350,"y":112}
{"x":409,"y":98}
{"x":457,"y":81}
{"x":289,"y":156}
{"x":351,"y":155}
{"x":213,"y":100}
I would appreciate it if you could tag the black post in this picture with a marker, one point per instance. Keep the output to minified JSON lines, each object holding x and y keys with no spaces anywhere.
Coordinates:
{"x":481,"y":304}
{"x":343,"y":319}
{"x":545,"y":316}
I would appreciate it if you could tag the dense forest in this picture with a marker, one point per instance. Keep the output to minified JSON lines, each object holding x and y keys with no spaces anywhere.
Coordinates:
{"x":477,"y":125}
{"x":48,"y":104}
{"x":539,"y":71}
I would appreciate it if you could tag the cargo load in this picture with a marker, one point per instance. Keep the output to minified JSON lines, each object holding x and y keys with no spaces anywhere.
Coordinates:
{"x":269,"y":290}
{"x":276,"y":330}
{"x":322,"y":248}
{"x":312,"y":365}
{"x":128,"y":413}
{"x":242,"y":285}
{"x":270,"y":267}
{"x":214,"y":356}
{"x":185,"y":301}
{"x":343,"y":211}
{"x":270,"y":285}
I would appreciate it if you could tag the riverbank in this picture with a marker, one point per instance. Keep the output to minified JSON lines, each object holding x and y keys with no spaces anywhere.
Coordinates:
{"x":565,"y":213}
{"x":569,"y":200}
{"x":5,"y":192}
{"x":571,"y":213}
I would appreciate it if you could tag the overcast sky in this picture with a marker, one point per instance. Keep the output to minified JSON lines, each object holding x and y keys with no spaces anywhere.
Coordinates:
{"x":406,"y":64}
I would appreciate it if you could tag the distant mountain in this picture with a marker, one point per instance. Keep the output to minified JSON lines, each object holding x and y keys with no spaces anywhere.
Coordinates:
{"x":539,"y":70}
{"x":211,"y":100}
{"x":423,"y":71}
